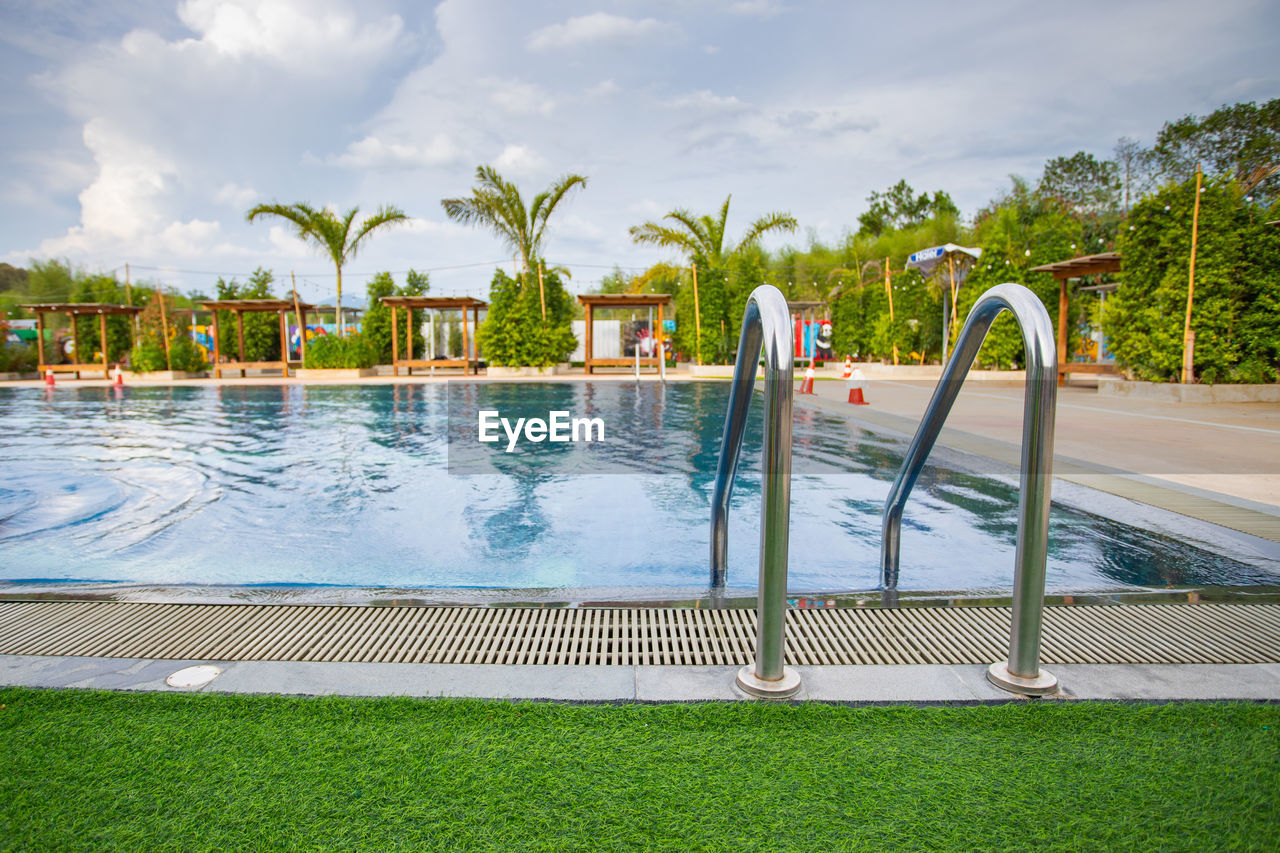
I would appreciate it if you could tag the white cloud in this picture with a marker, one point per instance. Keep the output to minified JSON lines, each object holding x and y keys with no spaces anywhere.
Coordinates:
{"x":235,"y":196}
{"x":757,"y":8}
{"x":704,"y":101}
{"x":372,"y":153}
{"x":598,"y":28}
{"x":519,"y":161}
{"x":519,"y":98}
{"x":604,"y":89}
{"x":289,"y":32}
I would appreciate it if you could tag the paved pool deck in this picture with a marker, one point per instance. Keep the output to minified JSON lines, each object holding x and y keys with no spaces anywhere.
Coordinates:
{"x":918,"y":684}
{"x":1216,"y":463}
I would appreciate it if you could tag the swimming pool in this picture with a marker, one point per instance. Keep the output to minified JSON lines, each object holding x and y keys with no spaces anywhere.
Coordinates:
{"x":355,"y":486}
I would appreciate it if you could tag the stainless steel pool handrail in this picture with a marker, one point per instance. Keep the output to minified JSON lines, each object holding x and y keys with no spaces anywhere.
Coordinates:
{"x":1021,"y":673}
{"x":766,"y":324}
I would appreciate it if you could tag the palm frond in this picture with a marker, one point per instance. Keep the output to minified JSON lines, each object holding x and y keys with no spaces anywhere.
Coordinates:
{"x":775,"y":221}
{"x":384,"y":217}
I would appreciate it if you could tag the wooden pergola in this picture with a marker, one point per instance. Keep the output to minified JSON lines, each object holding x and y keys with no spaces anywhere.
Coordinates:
{"x":592,"y":301}
{"x":468,"y":363}
{"x":240,"y":307}
{"x":74,"y":310}
{"x":1063,"y":271}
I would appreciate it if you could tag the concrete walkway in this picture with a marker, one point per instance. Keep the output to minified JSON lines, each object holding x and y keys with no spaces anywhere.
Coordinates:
{"x":959,"y":684}
{"x":1218,"y":463}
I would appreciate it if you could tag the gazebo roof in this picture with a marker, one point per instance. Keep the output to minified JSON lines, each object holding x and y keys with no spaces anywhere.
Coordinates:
{"x":82,"y":308}
{"x":439,"y":302}
{"x":253,"y":304}
{"x":624,"y":300}
{"x":1083,"y":265}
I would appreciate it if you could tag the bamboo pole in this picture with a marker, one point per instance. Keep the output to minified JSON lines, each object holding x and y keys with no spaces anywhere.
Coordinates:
{"x":1188,"y":335}
{"x":697,"y":317}
{"x":888,"y":289}
{"x":542,"y":294}
{"x":302,"y":323}
{"x":164,"y":328}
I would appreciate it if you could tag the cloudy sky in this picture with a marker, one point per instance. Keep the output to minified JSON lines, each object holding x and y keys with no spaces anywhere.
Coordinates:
{"x":142,"y":130}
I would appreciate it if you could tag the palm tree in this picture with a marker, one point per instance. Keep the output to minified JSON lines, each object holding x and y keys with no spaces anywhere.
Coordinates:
{"x":324,"y":229}
{"x":702,"y":238}
{"x":496,"y":203}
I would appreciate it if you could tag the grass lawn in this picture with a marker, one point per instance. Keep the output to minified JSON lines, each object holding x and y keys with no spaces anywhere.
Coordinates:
{"x":94,"y":770}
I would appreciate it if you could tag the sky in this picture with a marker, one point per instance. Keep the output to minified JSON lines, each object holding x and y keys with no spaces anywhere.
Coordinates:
{"x":141,"y":131}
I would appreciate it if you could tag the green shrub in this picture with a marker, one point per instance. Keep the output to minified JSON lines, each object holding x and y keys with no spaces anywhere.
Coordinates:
{"x":17,"y":358}
{"x":514,"y":333}
{"x":353,"y":351}
{"x":147,"y":355}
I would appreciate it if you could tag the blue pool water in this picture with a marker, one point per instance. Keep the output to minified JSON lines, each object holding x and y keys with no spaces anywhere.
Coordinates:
{"x":351,"y":486}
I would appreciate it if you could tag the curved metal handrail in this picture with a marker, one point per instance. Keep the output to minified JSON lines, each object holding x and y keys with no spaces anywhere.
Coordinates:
{"x":766,"y":324}
{"x":1022,"y":672}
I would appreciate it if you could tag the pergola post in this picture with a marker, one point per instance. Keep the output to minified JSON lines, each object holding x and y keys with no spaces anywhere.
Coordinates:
{"x":395,"y":344}
{"x":659,"y":337}
{"x":1063,"y":306}
{"x":217,"y":348}
{"x":40,"y":341}
{"x":408,"y":338}
{"x":475,"y":319}
{"x":102,"y":327}
{"x":466,"y":346}
{"x":75,"y":339}
{"x":240,"y":339}
{"x":284,"y":343}
{"x":587,"y":351}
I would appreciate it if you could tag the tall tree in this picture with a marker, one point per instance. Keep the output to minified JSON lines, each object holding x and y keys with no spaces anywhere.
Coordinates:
{"x":900,"y":207}
{"x":496,"y":204}
{"x":329,"y":232}
{"x":1090,"y":187}
{"x":702,"y":240}
{"x":1240,"y":141}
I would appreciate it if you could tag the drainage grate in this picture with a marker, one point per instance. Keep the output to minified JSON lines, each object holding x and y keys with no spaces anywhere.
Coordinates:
{"x":1187,"y":633}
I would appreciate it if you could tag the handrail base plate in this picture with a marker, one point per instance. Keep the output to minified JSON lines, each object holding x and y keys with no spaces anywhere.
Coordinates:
{"x":1045,"y":683}
{"x":783,"y":688}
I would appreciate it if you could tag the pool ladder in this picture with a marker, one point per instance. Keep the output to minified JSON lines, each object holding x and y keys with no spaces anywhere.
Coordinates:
{"x":766,"y":324}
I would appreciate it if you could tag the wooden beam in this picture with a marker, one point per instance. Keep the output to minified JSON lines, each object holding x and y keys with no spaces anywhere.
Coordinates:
{"x":284,"y":343}
{"x":102,"y":332}
{"x":395,"y":343}
{"x":40,"y":341}
{"x":240,"y":337}
{"x":586,"y":350}
{"x":75,"y":340}
{"x":1061,"y":327}
{"x":217,"y":349}
{"x":466,"y":345}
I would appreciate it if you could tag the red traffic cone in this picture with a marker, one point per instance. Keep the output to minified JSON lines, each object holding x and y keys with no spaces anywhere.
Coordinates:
{"x":48,"y":378}
{"x":806,"y":386}
{"x":855,"y":389}
{"x":117,"y":376}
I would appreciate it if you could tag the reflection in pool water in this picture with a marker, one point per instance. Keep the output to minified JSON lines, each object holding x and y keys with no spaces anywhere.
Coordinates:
{"x":351,"y":486}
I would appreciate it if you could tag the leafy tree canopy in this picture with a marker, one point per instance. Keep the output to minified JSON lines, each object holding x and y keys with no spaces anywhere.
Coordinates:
{"x":900,"y":207}
{"x":1240,"y":141}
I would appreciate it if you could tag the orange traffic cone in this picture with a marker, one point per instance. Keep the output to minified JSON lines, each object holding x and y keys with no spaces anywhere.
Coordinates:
{"x":48,"y":378}
{"x":855,"y":389}
{"x":848,"y":368}
{"x":806,"y":386}
{"x":117,"y":375}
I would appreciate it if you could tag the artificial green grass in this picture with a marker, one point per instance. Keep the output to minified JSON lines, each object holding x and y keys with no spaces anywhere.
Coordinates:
{"x":86,"y":770}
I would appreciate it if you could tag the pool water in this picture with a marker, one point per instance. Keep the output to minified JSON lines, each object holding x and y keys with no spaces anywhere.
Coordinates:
{"x":352,"y":486}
